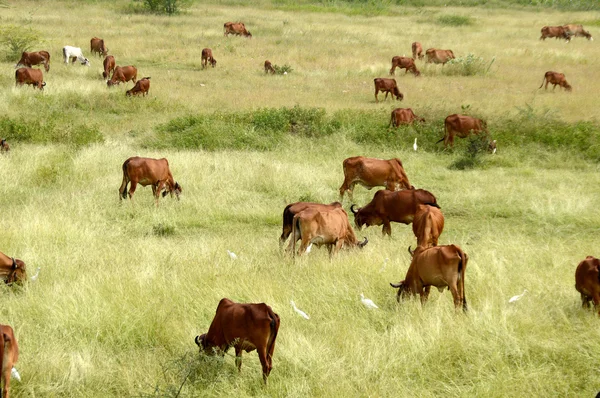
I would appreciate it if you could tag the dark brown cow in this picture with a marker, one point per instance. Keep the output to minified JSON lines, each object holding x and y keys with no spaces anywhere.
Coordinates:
{"x":245,"y":327}
{"x":9,"y":355}
{"x":404,"y":63}
{"x":12,"y":270}
{"x":573,"y":30}
{"x":387,"y":86}
{"x":440,"y":266}
{"x":123,"y":74}
{"x":97,"y":46}
{"x":404,"y":116}
{"x":147,"y":171}
{"x":428,"y":224}
{"x":236,"y":28}
{"x":35,"y":77}
{"x":417,"y":50}
{"x":461,"y":126}
{"x":556,"y":79}
{"x":557,"y":32}
{"x":109,"y":66}
{"x":269,"y":67}
{"x":324,"y":227}
{"x":387,"y":206}
{"x":372,"y":172}
{"x":439,"y":56}
{"x":292,"y":209}
{"x":4,"y":147}
{"x":207,"y":58}
{"x":141,"y":87}
{"x":30,"y":59}
{"x":587,"y":282}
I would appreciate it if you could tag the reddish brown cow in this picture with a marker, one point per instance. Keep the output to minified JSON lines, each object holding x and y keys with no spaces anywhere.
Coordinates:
{"x":387,"y":86}
{"x":428,"y":224}
{"x":147,"y":171}
{"x":576,"y":30}
{"x":97,"y":46}
{"x":404,"y":116}
{"x":557,"y":32}
{"x":292,"y":209}
{"x":12,"y":270}
{"x":439,"y":56}
{"x":387,"y":206}
{"x":417,"y":50}
{"x":236,"y":28}
{"x":207,"y":58}
{"x":109,"y":66}
{"x":461,"y":126}
{"x":141,"y":87}
{"x":440,"y":266}
{"x":123,"y":74}
{"x":35,"y":77}
{"x":269,"y":67}
{"x":30,"y":59}
{"x":9,"y":354}
{"x":245,"y":327}
{"x":371,"y":172}
{"x":587,"y":282}
{"x":4,"y":147}
{"x":556,"y":79}
{"x":404,"y":63}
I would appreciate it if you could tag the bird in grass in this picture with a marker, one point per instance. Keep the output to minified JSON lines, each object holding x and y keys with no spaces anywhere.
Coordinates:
{"x":299,"y":311}
{"x":15,"y":374}
{"x":232,"y":255}
{"x":367,"y":302}
{"x":37,"y":272}
{"x":308,"y":248}
{"x":384,"y":264}
{"x":517,"y":297}
{"x":415,"y":145}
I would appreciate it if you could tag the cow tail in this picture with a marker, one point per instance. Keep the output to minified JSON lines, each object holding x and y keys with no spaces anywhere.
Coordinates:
{"x":295,"y":226}
{"x":445,"y":133}
{"x":288,"y":219}
{"x":65,"y":54}
{"x":2,"y":342}
{"x":274,"y":328}
{"x":123,"y":189}
{"x":543,"y":80}
{"x":462,"y":265}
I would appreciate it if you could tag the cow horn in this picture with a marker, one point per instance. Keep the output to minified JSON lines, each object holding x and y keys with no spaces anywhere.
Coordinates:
{"x":396,"y":285}
{"x":352,"y":209}
{"x":363,"y":243}
{"x":412,"y":253}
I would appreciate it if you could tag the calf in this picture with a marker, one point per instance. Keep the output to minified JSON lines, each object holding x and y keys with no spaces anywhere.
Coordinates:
{"x":245,"y":327}
{"x":123,"y":74}
{"x":269,"y":68}
{"x":74,"y":54}
{"x":404,"y":116}
{"x":387,"y":86}
{"x":147,"y":171}
{"x":439,"y":56}
{"x":30,"y":59}
{"x":587,"y":282}
{"x":109,"y":66}
{"x":207,"y":57}
{"x":292,"y":209}
{"x":417,"y":50}
{"x":557,"y":32}
{"x":461,"y":126}
{"x":236,"y":28}
{"x":404,"y":63}
{"x":4,"y":147}
{"x":35,"y":77}
{"x":428,"y":224}
{"x":141,"y":87}
{"x":556,"y":79}
{"x":372,"y":172}
{"x":97,"y":46}
{"x":12,"y":270}
{"x":9,"y":354}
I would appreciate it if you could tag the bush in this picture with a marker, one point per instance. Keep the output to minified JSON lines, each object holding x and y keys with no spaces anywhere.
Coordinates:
{"x":43,"y":133}
{"x":471,"y":158}
{"x":16,"y":39}
{"x":168,"y":7}
{"x":455,"y":20}
{"x":282,"y":70}
{"x":467,"y":66}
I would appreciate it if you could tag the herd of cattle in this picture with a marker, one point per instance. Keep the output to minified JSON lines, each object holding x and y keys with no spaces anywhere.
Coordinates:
{"x":255,"y":326}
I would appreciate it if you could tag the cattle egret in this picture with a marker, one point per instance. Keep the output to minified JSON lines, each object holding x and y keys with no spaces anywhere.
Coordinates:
{"x":232,"y":255}
{"x":299,"y":311}
{"x":415,"y":145}
{"x":37,"y":272}
{"x":309,"y":248}
{"x":384,"y":264}
{"x":15,"y":374}
{"x":285,"y":73}
{"x":367,"y":302}
{"x":518,"y":297}
{"x":494,"y":151}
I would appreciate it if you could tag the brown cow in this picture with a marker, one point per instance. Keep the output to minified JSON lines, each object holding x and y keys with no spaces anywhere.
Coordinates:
{"x":371,"y":172}
{"x":269,"y":67}
{"x":387,"y":206}
{"x":236,"y":28}
{"x":557,"y":32}
{"x":9,"y":355}
{"x":439,"y":56}
{"x":439,"y":266}
{"x":35,"y":77}
{"x":404,"y":63}
{"x":387,"y":86}
{"x":12,"y":270}
{"x":556,"y":79}
{"x":123,"y":74}
{"x":576,"y":30}
{"x":428,"y":224}
{"x":292,"y":209}
{"x":324,"y":227}
{"x":4,"y":147}
{"x":417,"y":50}
{"x":30,"y":59}
{"x":141,"y":87}
{"x":207,"y":57}
{"x":587,"y":282}
{"x":461,"y":126}
{"x":404,"y":116}
{"x":245,"y":327}
{"x":147,"y":171}
{"x":97,"y":46}
{"x":109,"y":66}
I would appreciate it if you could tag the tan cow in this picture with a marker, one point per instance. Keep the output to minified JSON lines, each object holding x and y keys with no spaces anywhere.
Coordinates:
{"x":269,"y":67}
{"x":35,"y":77}
{"x":404,"y":63}
{"x":558,"y":32}
{"x":9,"y":355}
{"x":30,"y":59}
{"x":141,"y":87}
{"x":372,"y":172}
{"x":438,"y":56}
{"x":461,"y":126}
{"x":236,"y":28}
{"x":404,"y":116}
{"x":97,"y":46}
{"x":147,"y":171}
{"x":294,"y":208}
{"x":123,"y":74}
{"x":428,"y":224}
{"x":587,"y":282}
{"x":109,"y":66}
{"x":417,"y":50}
{"x":12,"y":270}
{"x":573,"y":30}
{"x":4,"y":147}
{"x":207,"y":58}
{"x":556,"y":79}
{"x":387,"y":86}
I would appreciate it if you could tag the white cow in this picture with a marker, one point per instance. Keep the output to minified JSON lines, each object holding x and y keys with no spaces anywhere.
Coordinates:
{"x":73,"y":54}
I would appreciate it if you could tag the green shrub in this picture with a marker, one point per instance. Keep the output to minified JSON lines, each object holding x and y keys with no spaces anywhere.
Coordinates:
{"x":282,"y":70}
{"x":168,"y":7}
{"x":455,"y":20}
{"x":37,"y":132}
{"x":16,"y":39}
{"x":467,"y":66}
{"x":471,"y":157}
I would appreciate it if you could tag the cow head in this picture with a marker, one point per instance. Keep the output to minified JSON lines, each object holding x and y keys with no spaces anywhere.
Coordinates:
{"x":203,"y":344}
{"x":363,"y":243}
{"x":85,"y":62}
{"x":401,"y":286}
{"x":248,"y":34}
{"x":363,"y":218}
{"x":41,"y":85}
{"x":568,"y":87}
{"x":17,"y":273}
{"x":173,"y":189}
{"x":399,"y":95}
{"x":213,"y":62}
{"x":111,"y":83}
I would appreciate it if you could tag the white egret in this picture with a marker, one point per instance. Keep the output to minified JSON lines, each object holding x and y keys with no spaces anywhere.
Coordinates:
{"x":517,"y":297}
{"x":37,"y":272}
{"x":299,"y":311}
{"x":415,"y":145}
{"x":367,"y":302}
{"x":232,"y":255}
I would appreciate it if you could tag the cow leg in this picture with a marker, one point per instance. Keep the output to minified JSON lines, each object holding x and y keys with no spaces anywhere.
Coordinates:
{"x":387,"y":228}
{"x":132,"y":188}
{"x":238,"y":358}
{"x":585,"y":301}
{"x":426,"y":292}
{"x":159,"y":187}
{"x":262,"y":355}
{"x":6,"y":376}
{"x":386,"y":94}
{"x":336,"y":247}
{"x":376,"y":92}
{"x":596,"y":300}
{"x":458,"y":301}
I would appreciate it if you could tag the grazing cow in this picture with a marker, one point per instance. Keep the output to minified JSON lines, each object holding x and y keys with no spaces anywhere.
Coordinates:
{"x":9,"y":354}
{"x":269,"y":67}
{"x":556,"y":79}
{"x":404,"y":116}
{"x":387,"y":86}
{"x":324,"y":227}
{"x":12,"y":270}
{"x":245,"y":327}
{"x":74,"y":54}
{"x":557,"y":32}
{"x":371,"y":172}
{"x":207,"y":57}
{"x":438,"y":56}
{"x":147,"y":171}
{"x":4,"y":147}
{"x":35,"y":77}
{"x":387,"y":206}
{"x":236,"y":28}
{"x":292,"y":209}
{"x":97,"y":46}
{"x":461,"y":126}
{"x":123,"y":74}
{"x":417,"y":50}
{"x":587,"y":282}
{"x":141,"y":87}
{"x":428,"y":224}
{"x":404,"y":63}
{"x":109,"y":66}
{"x":439,"y":266}
{"x":30,"y":59}
{"x":576,"y":30}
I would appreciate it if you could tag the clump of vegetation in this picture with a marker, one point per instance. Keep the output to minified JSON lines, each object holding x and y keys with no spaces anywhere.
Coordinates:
{"x":455,"y":20}
{"x":282,"y":70}
{"x":163,"y":230}
{"x":472,"y":155}
{"x":36,"y":132}
{"x":16,"y":39}
{"x":470,"y":65}
{"x":168,"y":7}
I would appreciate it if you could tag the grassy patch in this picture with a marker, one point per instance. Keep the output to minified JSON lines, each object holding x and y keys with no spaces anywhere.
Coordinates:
{"x":455,"y":20}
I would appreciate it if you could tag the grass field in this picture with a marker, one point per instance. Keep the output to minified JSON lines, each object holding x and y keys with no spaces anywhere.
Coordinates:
{"x":124,"y":288}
